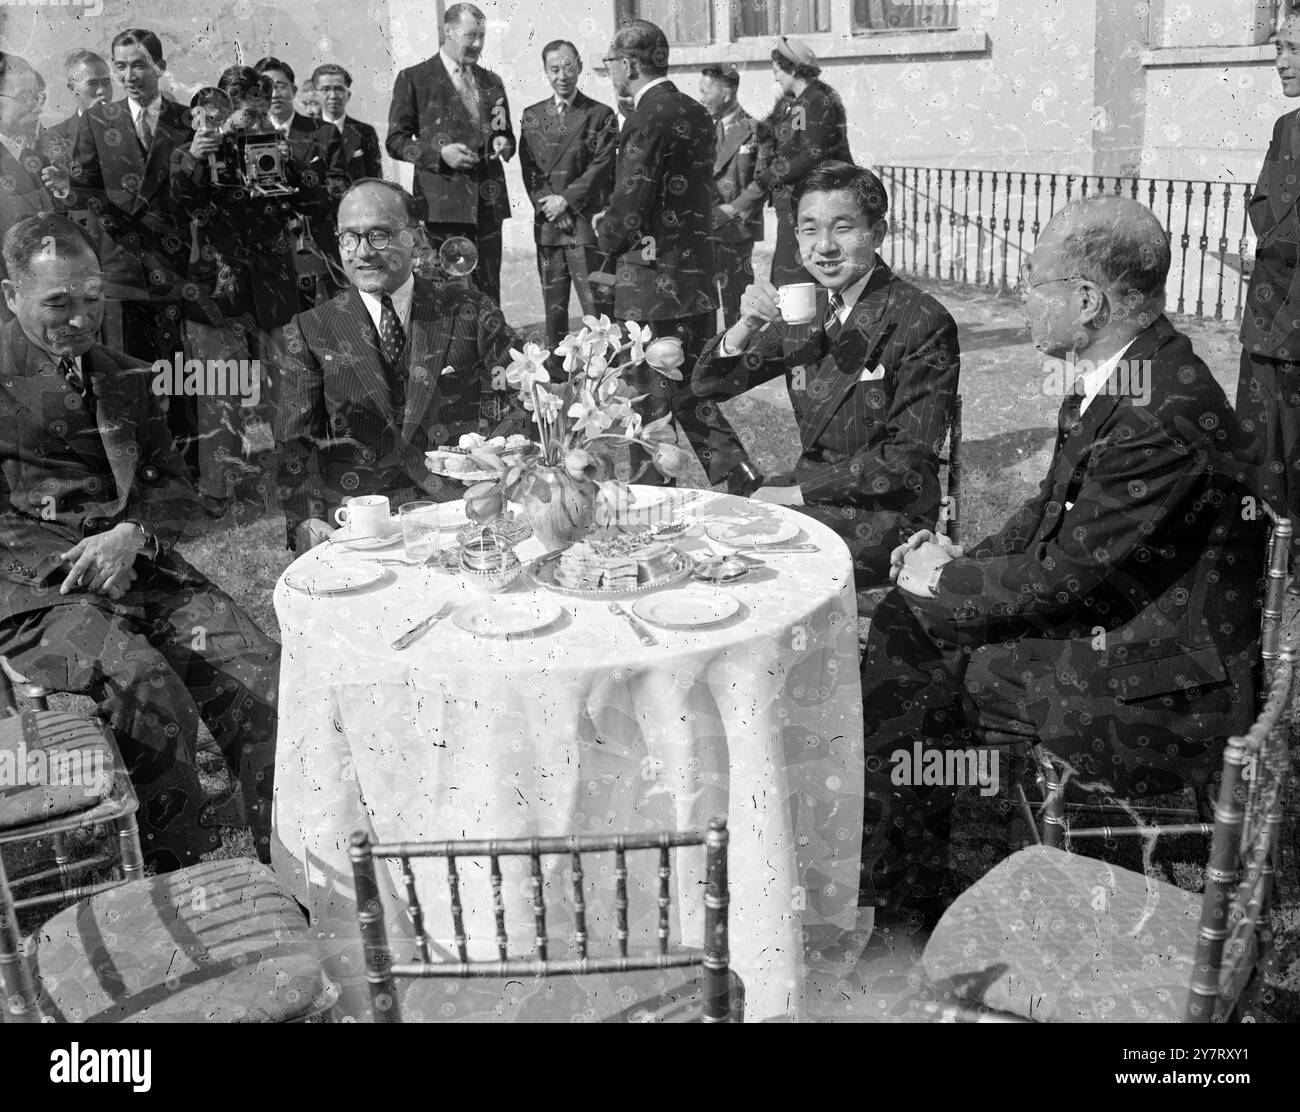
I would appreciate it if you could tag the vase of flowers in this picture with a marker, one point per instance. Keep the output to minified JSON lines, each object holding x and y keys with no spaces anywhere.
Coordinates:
{"x":564,"y":483}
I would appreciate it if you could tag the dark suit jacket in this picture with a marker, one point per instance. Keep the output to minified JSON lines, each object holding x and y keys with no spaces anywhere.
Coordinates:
{"x":734,"y":164}
{"x":1271,"y":323}
{"x":145,"y":249}
{"x":321,"y":167}
{"x":63,"y":479}
{"x":361,"y":154}
{"x":246,"y":264}
{"x":1138,"y":532}
{"x":807,"y":129}
{"x":337,"y":398}
{"x":426,"y":114}
{"x":573,"y":159}
{"x":60,"y":140}
{"x":870,"y":461}
{"x":658,"y":222}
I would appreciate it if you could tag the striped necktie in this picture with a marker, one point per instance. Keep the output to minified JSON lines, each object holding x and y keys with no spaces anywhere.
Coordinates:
{"x":68,"y":369}
{"x":833,"y":324}
{"x":143,"y":130}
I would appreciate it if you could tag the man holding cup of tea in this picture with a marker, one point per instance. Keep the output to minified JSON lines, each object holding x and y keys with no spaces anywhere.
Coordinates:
{"x":871,"y":364}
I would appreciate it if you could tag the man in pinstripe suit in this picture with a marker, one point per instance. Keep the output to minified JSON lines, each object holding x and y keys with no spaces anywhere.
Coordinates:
{"x":871,"y":379}
{"x":387,"y":370}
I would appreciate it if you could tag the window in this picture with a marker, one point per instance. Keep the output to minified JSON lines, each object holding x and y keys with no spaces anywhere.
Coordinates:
{"x":685,"y":22}
{"x":904,"y":15}
{"x":769,"y":18}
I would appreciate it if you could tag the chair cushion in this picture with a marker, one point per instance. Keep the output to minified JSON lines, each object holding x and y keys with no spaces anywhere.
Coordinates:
{"x":51,"y":764}
{"x":1056,"y":937}
{"x":219,"y":942}
{"x":652,"y":996}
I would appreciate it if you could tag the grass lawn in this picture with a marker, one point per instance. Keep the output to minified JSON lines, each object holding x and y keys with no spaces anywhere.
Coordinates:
{"x":1008,"y":429}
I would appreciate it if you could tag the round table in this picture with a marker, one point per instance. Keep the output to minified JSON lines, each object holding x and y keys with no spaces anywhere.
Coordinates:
{"x":581,"y":729}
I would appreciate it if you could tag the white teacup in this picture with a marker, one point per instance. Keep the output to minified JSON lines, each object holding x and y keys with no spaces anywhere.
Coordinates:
{"x":798,"y":302}
{"x":367,"y":516}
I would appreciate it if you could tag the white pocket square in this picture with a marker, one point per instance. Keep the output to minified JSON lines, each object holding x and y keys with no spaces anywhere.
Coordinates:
{"x":872,"y":374}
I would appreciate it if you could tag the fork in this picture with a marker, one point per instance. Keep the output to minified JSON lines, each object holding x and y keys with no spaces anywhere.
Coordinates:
{"x":643,"y":634}
{"x":410,"y":636}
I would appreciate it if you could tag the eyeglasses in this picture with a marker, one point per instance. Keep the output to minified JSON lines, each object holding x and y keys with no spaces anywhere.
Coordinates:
{"x":1024,"y":284}
{"x":281,"y":86}
{"x":31,"y":96}
{"x":378,"y":238}
{"x":565,"y":67}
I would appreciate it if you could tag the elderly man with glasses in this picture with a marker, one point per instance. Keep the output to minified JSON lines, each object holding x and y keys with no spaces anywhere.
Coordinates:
{"x":1114,"y":619}
{"x":390,"y":369}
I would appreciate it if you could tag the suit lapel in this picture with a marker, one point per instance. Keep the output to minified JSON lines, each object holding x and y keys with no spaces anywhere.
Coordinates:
{"x":732,"y":142}
{"x":451,"y":96}
{"x":430,"y":337}
{"x":12,"y":170}
{"x":860,"y":339}
{"x":358,"y":349}
{"x":114,"y":408}
{"x":561,"y":133}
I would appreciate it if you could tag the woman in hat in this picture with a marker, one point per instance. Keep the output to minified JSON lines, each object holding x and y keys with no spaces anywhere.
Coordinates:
{"x":805,"y":128}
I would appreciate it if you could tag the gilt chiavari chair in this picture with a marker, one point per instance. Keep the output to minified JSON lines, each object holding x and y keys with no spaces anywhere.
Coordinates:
{"x":674,"y":983}
{"x":30,"y":812}
{"x":218,"y":942}
{"x":1052,"y":936}
{"x":1052,"y":774}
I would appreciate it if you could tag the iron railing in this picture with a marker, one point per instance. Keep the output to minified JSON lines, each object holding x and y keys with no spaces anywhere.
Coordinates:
{"x":977,"y":226}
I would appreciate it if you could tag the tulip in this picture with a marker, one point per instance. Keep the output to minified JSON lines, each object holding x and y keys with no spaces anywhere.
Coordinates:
{"x":666,"y":356}
{"x":580,"y":464}
{"x":671,"y":460}
{"x":483,"y":501}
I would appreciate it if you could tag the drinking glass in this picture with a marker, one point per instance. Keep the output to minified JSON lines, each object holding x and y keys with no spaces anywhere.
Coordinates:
{"x":420,"y":533}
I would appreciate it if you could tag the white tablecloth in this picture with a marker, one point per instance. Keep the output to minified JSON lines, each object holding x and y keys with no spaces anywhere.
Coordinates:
{"x":581,"y":729}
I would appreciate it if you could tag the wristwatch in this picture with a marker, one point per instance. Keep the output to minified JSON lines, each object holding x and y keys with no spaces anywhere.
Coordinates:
{"x":149,"y":540}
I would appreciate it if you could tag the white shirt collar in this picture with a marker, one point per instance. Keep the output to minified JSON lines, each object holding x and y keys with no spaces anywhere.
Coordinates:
{"x":730,"y":118}
{"x":153,"y":108}
{"x":336,"y":123}
{"x":283,"y":128}
{"x":450,"y":63}
{"x":851,"y":295}
{"x":1094,"y":381}
{"x":401,"y":302}
{"x":567,"y":103}
{"x":636,"y":100}
{"x":12,"y":145}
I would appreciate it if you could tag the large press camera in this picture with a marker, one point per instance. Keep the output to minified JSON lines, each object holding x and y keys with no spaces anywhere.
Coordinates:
{"x":258,"y":164}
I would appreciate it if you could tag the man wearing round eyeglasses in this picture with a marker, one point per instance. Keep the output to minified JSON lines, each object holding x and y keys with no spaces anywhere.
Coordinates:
{"x":450,"y":117}
{"x":392,"y":368}
{"x":1114,"y":618}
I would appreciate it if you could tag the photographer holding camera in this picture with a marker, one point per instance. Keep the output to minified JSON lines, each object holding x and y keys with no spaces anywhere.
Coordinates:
{"x":237,"y":183}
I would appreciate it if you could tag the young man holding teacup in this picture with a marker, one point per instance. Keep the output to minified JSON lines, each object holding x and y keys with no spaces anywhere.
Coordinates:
{"x":870,"y":361}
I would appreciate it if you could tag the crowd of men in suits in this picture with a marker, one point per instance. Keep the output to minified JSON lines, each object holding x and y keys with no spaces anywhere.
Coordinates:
{"x":1113,"y":618}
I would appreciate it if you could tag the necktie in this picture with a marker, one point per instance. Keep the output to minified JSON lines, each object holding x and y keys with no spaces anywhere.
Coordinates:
{"x":467,"y":92}
{"x":832,"y":324}
{"x":722,"y":132}
{"x":1070,"y":409}
{"x":142,"y":129}
{"x":391,"y":337}
{"x":68,"y":369}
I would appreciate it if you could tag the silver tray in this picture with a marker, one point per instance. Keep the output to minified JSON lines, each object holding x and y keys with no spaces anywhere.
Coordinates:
{"x":541,"y":572}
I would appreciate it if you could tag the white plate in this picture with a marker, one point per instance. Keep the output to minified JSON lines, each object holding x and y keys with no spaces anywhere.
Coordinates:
{"x":334,"y":579}
{"x":687,"y":609}
{"x":507,"y":617}
{"x":755,"y":531}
